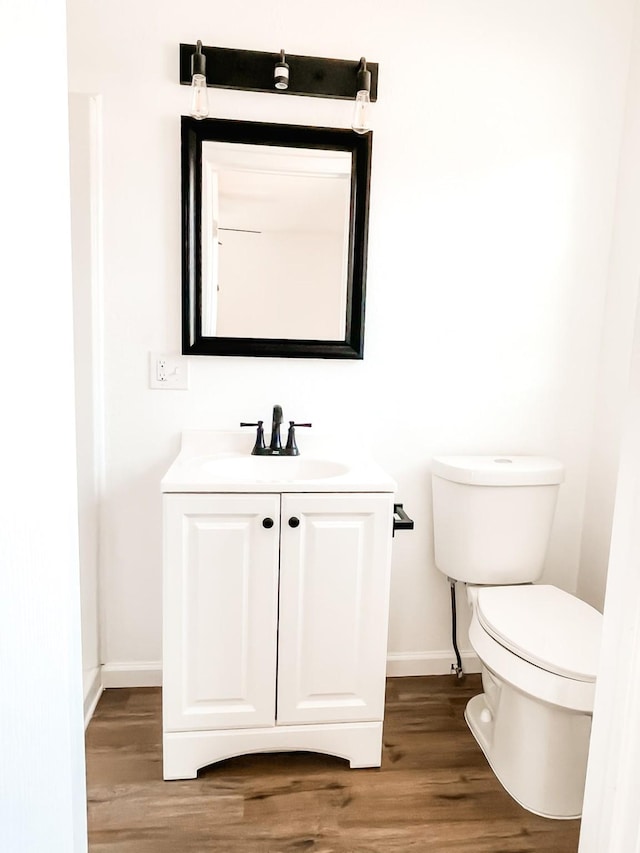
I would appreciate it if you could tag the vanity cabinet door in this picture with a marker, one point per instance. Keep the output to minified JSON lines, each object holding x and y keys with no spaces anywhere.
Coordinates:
{"x":220,"y":610}
{"x":334,"y":602}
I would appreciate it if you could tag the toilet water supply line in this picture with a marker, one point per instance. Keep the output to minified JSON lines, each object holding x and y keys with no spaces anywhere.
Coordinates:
{"x":456,"y":668}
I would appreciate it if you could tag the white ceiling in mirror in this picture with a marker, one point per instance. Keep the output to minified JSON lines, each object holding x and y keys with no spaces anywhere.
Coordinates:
{"x":308,"y":188}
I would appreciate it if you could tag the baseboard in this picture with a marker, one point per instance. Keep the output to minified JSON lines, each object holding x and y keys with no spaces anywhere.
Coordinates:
{"x":149,"y":673}
{"x":92,"y":694}
{"x":429,"y":663}
{"x":138,"y":674}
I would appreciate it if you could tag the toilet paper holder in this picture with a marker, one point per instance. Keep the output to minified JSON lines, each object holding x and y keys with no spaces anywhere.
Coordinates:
{"x":401,"y":520}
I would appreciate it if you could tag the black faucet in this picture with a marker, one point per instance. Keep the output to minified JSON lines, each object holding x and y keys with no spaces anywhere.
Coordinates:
{"x":275,"y":445}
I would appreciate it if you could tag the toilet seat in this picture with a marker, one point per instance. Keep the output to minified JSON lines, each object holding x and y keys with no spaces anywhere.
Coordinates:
{"x":545,"y":626}
{"x":528,"y":678}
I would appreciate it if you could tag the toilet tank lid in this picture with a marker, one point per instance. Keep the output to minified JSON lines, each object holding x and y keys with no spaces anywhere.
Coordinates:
{"x":499,"y":470}
{"x":544,"y":625}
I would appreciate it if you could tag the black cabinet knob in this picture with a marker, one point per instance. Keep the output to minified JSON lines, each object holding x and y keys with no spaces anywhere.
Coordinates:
{"x":267,"y":522}
{"x":294,"y":522}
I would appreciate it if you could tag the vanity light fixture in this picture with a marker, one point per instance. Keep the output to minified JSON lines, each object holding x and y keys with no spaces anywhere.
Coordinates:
{"x":260,"y":71}
{"x":281,"y":73}
{"x":199,"y":96}
{"x":362,"y":107}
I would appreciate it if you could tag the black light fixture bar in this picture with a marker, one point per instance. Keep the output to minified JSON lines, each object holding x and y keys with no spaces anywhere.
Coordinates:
{"x":252,"y":71}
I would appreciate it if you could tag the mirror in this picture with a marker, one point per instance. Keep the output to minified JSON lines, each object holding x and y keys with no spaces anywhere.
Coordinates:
{"x":274,"y":239}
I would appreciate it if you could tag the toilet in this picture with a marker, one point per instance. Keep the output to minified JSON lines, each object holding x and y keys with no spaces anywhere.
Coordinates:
{"x":537,"y":644}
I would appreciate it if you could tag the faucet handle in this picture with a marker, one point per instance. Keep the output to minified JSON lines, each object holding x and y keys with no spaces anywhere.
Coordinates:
{"x":258,"y":447}
{"x":292,"y":448}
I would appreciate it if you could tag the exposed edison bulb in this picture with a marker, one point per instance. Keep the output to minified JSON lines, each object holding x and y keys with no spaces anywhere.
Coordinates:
{"x":361,"y":111}
{"x":360,"y":121}
{"x":199,"y":96}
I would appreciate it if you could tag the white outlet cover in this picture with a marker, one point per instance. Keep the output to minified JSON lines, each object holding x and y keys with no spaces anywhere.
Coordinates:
{"x":168,"y":372}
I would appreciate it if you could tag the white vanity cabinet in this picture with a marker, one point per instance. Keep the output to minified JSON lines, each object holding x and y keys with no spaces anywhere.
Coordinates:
{"x":275,"y":625}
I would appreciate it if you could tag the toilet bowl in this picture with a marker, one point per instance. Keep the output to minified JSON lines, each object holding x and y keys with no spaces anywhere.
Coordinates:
{"x":539,"y":651}
{"x":537,"y":644}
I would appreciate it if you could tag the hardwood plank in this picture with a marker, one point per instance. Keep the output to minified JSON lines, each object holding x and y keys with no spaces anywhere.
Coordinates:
{"x":434,"y":791}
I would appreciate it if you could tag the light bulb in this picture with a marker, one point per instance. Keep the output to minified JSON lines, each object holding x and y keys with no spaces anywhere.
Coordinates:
{"x":281,"y":73}
{"x":199,"y":96}
{"x":362,"y":107}
{"x":361,"y":111}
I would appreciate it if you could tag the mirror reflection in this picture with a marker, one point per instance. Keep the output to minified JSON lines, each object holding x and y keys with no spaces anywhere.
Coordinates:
{"x":275,"y":241}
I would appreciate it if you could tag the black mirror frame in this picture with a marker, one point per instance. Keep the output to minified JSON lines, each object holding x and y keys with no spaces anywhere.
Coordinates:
{"x":194,"y":133}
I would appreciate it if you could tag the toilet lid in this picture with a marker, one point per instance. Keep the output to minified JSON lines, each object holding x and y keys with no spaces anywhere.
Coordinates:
{"x":545,"y":626}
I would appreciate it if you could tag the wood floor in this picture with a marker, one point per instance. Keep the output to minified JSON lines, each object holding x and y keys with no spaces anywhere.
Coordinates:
{"x":434,"y":791}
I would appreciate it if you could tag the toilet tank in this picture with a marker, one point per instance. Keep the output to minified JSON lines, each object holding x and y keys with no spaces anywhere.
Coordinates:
{"x":492,"y":516}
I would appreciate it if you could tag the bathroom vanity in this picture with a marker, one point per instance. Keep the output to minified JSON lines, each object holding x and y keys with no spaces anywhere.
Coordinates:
{"x":276,"y":592}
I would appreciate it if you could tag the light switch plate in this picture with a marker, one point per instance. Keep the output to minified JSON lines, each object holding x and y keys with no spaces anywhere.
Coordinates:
{"x":168,"y":371}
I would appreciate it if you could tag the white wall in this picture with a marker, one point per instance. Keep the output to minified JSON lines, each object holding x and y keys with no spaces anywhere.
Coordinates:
{"x":496,"y":144}
{"x":278,"y":282}
{"x":42,"y":792}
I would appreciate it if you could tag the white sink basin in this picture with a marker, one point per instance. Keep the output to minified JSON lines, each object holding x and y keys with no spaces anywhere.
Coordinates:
{"x":221,"y":461}
{"x":272,"y":469}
